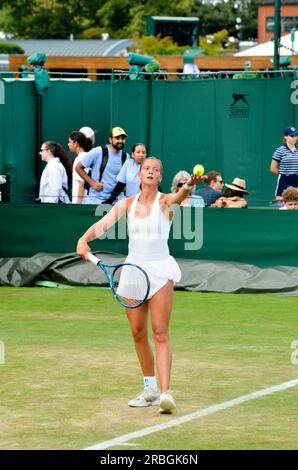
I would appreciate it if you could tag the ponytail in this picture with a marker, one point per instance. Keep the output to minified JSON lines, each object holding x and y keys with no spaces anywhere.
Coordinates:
{"x":58,"y":151}
{"x":82,"y":140}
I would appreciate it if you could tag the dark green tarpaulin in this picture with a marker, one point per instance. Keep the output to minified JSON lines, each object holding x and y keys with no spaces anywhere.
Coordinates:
{"x":253,"y":250}
{"x":205,"y":276}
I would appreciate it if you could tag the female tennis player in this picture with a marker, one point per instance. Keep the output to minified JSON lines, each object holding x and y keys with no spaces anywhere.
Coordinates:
{"x":149,"y":215}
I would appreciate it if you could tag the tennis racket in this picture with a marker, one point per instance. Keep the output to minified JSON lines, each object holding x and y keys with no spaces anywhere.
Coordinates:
{"x":129,"y":282}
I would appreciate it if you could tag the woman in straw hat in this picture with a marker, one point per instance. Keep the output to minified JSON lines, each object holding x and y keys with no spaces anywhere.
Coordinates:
{"x":233,"y":196}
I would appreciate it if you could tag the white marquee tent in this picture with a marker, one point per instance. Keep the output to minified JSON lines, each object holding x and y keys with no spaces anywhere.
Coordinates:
{"x":267,"y":48}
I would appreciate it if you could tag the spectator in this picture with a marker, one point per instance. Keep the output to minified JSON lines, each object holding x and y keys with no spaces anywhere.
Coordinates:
{"x":128,"y":176}
{"x":80,"y":145}
{"x":233,"y":196}
{"x":213,"y":186}
{"x":284,"y":162}
{"x":56,"y":177}
{"x":105,"y":163}
{"x":90,"y":134}
{"x":290,"y":198}
{"x":192,"y":200}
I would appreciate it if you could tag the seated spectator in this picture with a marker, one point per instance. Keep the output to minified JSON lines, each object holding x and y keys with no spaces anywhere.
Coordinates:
{"x":56,"y":177}
{"x":290,"y":198}
{"x":128,"y":176}
{"x":80,"y":145}
{"x":213,"y":186}
{"x":178,"y":181}
{"x":233,"y":196}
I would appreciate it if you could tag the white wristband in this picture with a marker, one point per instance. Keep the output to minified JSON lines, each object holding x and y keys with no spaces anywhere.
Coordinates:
{"x":187,"y":187}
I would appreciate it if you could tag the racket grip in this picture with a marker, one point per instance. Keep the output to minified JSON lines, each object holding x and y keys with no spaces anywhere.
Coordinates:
{"x":93,"y":258}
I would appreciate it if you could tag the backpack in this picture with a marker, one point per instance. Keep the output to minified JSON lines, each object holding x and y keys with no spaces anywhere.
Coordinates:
{"x":104,"y":161}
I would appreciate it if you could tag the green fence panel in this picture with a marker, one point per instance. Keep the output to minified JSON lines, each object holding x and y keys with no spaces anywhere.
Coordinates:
{"x":68,"y":106}
{"x":262,"y":237}
{"x":2,"y":117}
{"x":232,"y":126}
{"x":238,"y":131}
{"x":278,"y":113}
{"x":130,"y":107}
{"x":18,"y":139}
{"x":181,"y":123}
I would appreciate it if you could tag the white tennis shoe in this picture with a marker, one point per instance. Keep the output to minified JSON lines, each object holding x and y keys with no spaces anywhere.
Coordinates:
{"x":149,"y":397}
{"x":167,"y":403}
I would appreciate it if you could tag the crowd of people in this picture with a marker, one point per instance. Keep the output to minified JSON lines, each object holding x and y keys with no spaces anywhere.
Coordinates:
{"x":90,"y":174}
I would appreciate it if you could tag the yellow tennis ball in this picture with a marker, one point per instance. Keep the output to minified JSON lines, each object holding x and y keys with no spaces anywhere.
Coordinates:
{"x":198,"y":170}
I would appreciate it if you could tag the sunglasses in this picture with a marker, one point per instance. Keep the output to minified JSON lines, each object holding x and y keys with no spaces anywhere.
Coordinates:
{"x":179,"y":185}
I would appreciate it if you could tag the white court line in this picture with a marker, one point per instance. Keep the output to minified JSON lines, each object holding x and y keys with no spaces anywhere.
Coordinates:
{"x":190,"y":417}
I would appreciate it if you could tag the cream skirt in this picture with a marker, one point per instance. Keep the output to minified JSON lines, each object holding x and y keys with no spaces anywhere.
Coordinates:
{"x":159,"y":273}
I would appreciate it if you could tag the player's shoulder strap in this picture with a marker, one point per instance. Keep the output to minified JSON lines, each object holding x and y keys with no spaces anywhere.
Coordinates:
{"x":105,"y":157}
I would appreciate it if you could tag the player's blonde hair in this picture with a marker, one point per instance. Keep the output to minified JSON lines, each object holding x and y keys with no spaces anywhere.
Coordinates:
{"x":153,"y":158}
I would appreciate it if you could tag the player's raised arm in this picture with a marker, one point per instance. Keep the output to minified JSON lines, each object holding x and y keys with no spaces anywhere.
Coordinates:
{"x":183,"y":193}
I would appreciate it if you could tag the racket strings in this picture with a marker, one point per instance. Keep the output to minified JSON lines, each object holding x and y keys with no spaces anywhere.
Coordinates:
{"x":131,"y":285}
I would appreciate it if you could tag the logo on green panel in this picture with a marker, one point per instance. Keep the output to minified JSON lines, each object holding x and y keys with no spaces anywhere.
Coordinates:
{"x":239,"y":107}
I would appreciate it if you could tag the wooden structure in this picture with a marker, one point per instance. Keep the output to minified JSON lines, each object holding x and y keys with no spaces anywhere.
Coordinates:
{"x":173,"y":64}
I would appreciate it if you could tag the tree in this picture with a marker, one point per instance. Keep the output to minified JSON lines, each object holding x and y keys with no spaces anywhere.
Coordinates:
{"x":8,"y":48}
{"x":44,"y":19}
{"x":60,"y":18}
{"x":222,"y":15}
{"x":120,"y":18}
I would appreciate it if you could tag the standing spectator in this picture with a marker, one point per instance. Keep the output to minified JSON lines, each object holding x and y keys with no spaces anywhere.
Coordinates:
{"x":90,"y":134}
{"x":56,"y":177}
{"x":80,"y":145}
{"x":105,"y":163}
{"x":213,"y":183}
{"x":290,"y":198}
{"x":128,"y":176}
{"x":192,"y":200}
{"x":284,"y":162}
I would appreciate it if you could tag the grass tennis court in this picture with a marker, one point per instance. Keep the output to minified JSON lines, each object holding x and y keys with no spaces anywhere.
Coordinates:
{"x":70,"y":369}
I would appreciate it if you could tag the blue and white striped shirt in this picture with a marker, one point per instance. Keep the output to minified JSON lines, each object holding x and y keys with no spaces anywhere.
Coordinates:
{"x":288,"y":160}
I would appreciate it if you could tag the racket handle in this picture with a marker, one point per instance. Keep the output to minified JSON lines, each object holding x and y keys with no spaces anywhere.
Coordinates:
{"x":93,"y":258}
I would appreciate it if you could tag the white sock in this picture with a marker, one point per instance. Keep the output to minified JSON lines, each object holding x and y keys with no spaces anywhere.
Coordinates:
{"x":150,"y":382}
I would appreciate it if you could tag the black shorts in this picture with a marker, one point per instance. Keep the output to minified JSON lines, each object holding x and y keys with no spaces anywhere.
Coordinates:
{"x":284,"y":181}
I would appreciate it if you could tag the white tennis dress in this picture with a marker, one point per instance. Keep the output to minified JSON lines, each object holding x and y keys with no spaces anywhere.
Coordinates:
{"x":148,"y":248}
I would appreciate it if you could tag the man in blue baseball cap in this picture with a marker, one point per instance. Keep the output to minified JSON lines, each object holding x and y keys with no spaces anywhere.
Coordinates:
{"x":291,"y":131}
{"x":284,"y":162}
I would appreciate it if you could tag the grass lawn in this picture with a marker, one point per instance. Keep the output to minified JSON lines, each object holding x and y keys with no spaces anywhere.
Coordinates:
{"x":70,"y":368}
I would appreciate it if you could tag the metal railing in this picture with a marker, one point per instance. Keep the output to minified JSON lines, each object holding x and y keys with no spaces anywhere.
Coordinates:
{"x":161,"y":75}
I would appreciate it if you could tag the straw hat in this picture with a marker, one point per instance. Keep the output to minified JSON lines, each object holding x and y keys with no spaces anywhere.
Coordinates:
{"x":238,"y":185}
